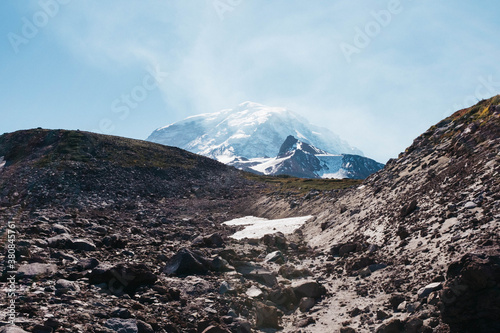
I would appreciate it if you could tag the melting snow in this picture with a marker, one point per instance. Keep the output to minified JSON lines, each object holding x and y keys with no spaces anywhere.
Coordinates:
{"x":257,"y":227}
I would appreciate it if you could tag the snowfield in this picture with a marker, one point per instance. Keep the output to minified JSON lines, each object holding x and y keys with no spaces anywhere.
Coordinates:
{"x":257,"y":227}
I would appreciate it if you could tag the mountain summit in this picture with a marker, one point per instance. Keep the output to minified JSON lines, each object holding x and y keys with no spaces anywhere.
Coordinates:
{"x":250,"y":130}
{"x":300,"y":159}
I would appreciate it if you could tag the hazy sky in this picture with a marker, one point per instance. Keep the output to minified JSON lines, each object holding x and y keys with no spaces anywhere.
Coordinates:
{"x":378,"y":73}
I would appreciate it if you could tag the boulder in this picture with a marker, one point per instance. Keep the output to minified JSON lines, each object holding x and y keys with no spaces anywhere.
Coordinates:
{"x":266,"y":316}
{"x":308,"y":289}
{"x":284,"y":297}
{"x":343,"y":249}
{"x":62,"y":241}
{"x":396,"y":300}
{"x":87,"y":263}
{"x":275,"y":240}
{"x":392,"y":326}
{"x":83,"y":245}
{"x":36,"y":270}
{"x":187,"y":262}
{"x":213,"y":240}
{"x":122,"y":277}
{"x":408,"y":208}
{"x":413,"y":325}
{"x":115,"y":241}
{"x":470,"y":297}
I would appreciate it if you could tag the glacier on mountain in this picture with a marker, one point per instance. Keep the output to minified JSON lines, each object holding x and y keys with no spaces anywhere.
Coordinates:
{"x":250,"y":130}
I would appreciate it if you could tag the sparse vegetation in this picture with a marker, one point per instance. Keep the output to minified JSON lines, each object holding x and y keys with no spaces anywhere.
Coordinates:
{"x":303,"y":185}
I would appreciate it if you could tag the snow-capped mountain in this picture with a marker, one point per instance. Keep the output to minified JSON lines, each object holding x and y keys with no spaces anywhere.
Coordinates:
{"x":250,"y":130}
{"x":300,"y":159}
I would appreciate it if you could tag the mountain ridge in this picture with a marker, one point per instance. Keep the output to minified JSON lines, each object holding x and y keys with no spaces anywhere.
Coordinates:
{"x":300,"y":159}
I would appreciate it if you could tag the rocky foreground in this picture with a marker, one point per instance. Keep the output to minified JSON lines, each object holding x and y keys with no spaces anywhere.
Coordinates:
{"x":131,"y":243}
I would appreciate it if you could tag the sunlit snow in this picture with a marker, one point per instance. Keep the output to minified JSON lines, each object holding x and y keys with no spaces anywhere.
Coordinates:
{"x":257,"y":227}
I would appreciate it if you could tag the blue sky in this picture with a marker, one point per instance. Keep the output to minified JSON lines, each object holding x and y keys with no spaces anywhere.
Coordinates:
{"x":378,"y":73}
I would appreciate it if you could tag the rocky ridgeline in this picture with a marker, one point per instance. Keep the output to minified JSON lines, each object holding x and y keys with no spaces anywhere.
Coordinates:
{"x":111,"y":240}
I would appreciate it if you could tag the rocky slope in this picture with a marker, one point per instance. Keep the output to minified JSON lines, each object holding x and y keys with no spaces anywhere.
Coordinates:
{"x":416,"y":247}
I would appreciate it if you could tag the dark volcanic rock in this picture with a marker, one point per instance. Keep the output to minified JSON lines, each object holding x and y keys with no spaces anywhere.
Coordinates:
{"x":308,"y":289}
{"x":393,"y":326}
{"x":187,"y":262}
{"x":122,"y":277}
{"x":266,"y":316}
{"x":471,"y":296}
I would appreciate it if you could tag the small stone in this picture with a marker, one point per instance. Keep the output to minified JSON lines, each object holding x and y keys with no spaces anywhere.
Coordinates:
{"x":121,"y":313}
{"x":144,"y":327}
{"x":365,"y":272}
{"x":381,"y":314}
{"x":65,"y":286}
{"x":413,"y":325}
{"x":11,"y":329}
{"x":402,"y":306}
{"x":266,"y":316}
{"x":87,"y":263}
{"x":62,"y":241}
{"x":60,"y":229}
{"x":83,"y":245}
{"x":306,"y":303}
{"x":254,"y":292}
{"x":36,"y":269}
{"x":122,"y":325}
{"x":225,"y":287}
{"x":470,"y":205}
{"x":275,"y":256}
{"x":425,"y":291}
{"x":215,"y":329}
